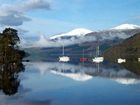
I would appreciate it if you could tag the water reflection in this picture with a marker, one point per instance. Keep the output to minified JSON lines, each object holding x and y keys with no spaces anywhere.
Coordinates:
{"x":54,"y":83}
{"x":85,"y":72}
{"x":133,"y":66}
{"x":21,"y":101}
{"x":10,"y":85}
{"x":9,"y":81}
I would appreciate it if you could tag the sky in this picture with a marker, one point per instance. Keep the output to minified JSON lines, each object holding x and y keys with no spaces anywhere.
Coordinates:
{"x":50,"y":17}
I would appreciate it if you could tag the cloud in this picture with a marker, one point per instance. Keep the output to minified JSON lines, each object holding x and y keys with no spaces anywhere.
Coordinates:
{"x":14,"y":15}
{"x":36,"y":4}
{"x":13,"y":19}
{"x":46,"y":42}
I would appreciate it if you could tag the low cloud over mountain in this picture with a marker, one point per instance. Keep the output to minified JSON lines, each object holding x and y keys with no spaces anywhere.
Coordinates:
{"x":81,"y":35}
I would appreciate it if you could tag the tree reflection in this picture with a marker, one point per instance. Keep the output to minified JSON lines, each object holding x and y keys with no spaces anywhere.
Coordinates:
{"x":10,"y":61}
{"x":9,"y":81}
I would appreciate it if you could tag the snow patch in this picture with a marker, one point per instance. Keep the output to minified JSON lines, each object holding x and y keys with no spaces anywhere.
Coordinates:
{"x":126,"y":26}
{"x":75,"y":32}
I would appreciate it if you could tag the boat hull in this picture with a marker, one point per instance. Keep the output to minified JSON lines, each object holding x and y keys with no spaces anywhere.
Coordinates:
{"x":64,"y":59}
{"x":98,"y":59}
{"x":120,"y":60}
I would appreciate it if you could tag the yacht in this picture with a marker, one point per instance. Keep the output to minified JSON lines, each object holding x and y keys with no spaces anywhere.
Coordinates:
{"x":64,"y":58}
{"x":120,"y":60}
{"x":98,"y":59}
{"x":138,"y":59}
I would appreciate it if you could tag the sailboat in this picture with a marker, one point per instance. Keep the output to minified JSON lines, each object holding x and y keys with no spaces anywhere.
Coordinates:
{"x":64,"y":58}
{"x":120,"y":60}
{"x":98,"y":59}
{"x":138,"y":59}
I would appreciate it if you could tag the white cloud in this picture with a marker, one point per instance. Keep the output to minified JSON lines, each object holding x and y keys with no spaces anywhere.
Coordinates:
{"x":13,"y":19}
{"x":14,"y":15}
{"x":35,"y":4}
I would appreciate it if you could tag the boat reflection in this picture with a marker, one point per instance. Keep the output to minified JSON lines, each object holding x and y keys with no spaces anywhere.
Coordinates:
{"x":85,"y":72}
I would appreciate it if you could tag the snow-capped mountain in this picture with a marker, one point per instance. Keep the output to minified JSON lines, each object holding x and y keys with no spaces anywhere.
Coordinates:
{"x":82,"y":35}
{"x":74,"y":33}
{"x":126,"y":27}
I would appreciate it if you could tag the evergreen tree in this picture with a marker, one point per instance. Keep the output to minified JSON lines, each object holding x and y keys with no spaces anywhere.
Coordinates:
{"x":9,"y":50}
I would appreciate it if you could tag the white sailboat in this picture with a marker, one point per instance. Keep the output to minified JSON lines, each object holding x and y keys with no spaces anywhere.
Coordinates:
{"x":64,"y":58}
{"x":98,"y":59}
{"x":138,"y":59}
{"x":120,"y":60}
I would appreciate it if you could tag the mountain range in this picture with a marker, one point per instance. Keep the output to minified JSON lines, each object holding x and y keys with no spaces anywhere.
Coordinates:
{"x":119,"y":31}
{"x":81,"y":35}
{"x":79,"y":32}
{"x":85,"y":42}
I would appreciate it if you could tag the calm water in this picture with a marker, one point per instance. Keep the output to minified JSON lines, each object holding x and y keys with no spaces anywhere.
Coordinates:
{"x":46,"y":83}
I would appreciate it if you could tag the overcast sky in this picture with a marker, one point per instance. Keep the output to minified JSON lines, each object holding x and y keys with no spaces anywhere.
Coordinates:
{"x":49,"y":17}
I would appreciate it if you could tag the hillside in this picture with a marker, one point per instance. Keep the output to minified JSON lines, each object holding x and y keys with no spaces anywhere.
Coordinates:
{"x":128,"y":49}
{"x":74,"y":51}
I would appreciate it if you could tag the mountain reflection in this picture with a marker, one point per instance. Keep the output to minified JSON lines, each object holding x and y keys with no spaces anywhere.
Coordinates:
{"x":9,"y":81}
{"x":133,"y":66}
{"x":85,"y":72}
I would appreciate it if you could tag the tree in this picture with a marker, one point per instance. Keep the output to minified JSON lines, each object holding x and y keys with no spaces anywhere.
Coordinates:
{"x":10,"y":37}
{"x":9,"y":50}
{"x":10,"y":61}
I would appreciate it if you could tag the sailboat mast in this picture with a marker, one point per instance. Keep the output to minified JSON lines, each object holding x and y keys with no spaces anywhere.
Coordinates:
{"x":97,"y":48}
{"x":83,"y":56}
{"x":63,"y":53}
{"x":97,"y":51}
{"x":83,"y":53}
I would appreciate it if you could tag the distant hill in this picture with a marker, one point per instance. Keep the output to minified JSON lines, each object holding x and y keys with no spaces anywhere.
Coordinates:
{"x":86,"y":49}
{"x":128,"y":49}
